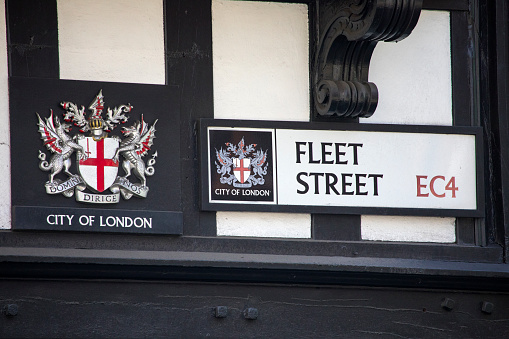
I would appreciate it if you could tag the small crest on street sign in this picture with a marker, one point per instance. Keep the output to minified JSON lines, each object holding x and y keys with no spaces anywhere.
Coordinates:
{"x":241,"y":165}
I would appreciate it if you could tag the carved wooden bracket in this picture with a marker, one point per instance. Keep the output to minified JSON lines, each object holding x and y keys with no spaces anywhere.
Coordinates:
{"x":349,"y":31}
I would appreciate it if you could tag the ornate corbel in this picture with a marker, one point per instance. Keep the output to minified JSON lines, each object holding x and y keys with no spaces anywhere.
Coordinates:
{"x":349,"y":31}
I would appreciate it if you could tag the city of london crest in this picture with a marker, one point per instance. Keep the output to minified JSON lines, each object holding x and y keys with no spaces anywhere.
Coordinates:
{"x":241,"y":165}
{"x":97,"y":155}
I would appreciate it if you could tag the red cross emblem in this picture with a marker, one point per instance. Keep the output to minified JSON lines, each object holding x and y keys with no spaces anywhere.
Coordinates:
{"x":99,"y":171}
{"x":241,"y":169}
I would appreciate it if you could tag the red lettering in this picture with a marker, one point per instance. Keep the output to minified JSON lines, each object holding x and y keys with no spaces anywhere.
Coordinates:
{"x":419,"y":185}
{"x":432,"y":186}
{"x":451,"y":186}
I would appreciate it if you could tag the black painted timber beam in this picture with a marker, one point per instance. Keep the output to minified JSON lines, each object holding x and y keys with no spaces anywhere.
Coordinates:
{"x":349,"y":31}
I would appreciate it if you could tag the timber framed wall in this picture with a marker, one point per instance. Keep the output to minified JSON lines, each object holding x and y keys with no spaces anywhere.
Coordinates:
{"x":334,"y":260}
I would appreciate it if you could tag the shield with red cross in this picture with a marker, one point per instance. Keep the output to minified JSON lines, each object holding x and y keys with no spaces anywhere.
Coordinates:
{"x":99,"y":170}
{"x":241,"y":169}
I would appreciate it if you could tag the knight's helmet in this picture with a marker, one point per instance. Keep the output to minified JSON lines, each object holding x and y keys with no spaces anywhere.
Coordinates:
{"x":96,"y":125}
{"x":96,"y":122}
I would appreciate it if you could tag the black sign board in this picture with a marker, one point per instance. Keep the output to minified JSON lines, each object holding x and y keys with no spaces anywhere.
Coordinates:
{"x":97,"y":220}
{"x":95,"y":156}
{"x":237,"y":152}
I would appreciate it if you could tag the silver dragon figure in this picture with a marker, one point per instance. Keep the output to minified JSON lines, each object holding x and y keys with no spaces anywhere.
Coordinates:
{"x":54,"y":135}
{"x":258,"y":163}
{"x":139,"y":138}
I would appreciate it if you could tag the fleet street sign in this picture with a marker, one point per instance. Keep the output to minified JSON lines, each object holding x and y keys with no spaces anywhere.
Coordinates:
{"x":338,"y":168}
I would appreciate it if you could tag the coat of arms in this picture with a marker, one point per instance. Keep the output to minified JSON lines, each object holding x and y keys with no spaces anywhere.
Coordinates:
{"x":247,"y":164}
{"x":97,"y":155}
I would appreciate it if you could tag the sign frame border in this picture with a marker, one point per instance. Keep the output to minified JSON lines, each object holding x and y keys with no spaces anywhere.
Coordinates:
{"x":206,"y":205}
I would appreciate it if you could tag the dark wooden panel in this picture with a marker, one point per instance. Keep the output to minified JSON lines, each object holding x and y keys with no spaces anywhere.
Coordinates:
{"x":502,"y":57}
{"x":287,"y":250}
{"x":465,"y":231}
{"x":336,"y":227}
{"x":188,"y":33}
{"x":457,"y":5}
{"x":462,"y":97}
{"x":462,"y":68}
{"x":32,"y":35}
{"x":176,"y":310}
{"x":486,"y":25}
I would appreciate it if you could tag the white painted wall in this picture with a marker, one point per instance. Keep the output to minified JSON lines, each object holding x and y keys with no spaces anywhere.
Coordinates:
{"x":261,"y":72}
{"x":5,"y":166}
{"x":413,"y":77}
{"x":261,"y":63}
{"x":409,"y":229}
{"x":257,"y":224}
{"x":114,"y":40}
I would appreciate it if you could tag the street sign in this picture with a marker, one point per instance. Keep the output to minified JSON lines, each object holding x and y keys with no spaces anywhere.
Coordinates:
{"x":338,"y":168}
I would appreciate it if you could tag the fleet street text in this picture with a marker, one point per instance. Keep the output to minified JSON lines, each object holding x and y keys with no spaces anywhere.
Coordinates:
{"x":344,"y":182}
{"x":337,"y":153}
{"x":327,"y":153}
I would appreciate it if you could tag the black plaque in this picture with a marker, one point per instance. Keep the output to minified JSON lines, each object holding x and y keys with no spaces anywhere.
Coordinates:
{"x":242,"y":165}
{"x":97,"y":220}
{"x":149,"y":103}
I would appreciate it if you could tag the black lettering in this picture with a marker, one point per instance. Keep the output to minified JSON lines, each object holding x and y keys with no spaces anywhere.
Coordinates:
{"x":303,"y":183}
{"x":358,"y":184}
{"x":375,"y":181}
{"x":298,"y":151}
{"x":345,"y":184}
{"x":325,"y":153}
{"x":355,"y":162}
{"x":340,"y":154}
{"x":316,"y":175}
{"x":330,"y":185}
{"x":311,"y":160}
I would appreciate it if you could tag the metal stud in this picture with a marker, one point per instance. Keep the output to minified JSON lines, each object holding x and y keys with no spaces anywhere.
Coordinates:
{"x":221,"y":311}
{"x":487,"y":307}
{"x":447,"y":304}
{"x":251,"y":313}
{"x":11,"y":310}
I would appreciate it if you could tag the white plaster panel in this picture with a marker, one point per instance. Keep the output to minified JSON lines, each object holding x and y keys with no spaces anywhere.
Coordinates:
{"x":260,"y":58}
{"x":409,"y":229}
{"x":413,"y":78}
{"x":5,"y":171}
{"x":254,"y":224}
{"x":261,"y":61}
{"x":115,"y":40}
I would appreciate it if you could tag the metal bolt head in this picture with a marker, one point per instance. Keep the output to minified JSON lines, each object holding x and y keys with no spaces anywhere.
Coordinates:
{"x":448,"y":304}
{"x":221,"y":311}
{"x":11,"y":310}
{"x":487,"y":307}
{"x":251,"y":313}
